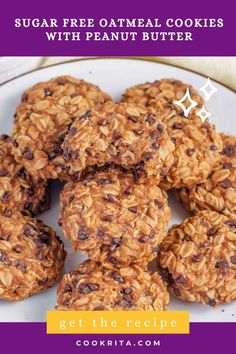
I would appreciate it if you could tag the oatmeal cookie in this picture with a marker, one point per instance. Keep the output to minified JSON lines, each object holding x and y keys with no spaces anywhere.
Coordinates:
{"x":198,"y":258}
{"x":113,"y":219}
{"x":197,"y":150}
{"x":219,"y":191}
{"x":31,"y":257}
{"x":124,"y":134}
{"x":161,"y":95}
{"x":18,"y":190}
{"x":93,"y":287}
{"x":43,"y":118}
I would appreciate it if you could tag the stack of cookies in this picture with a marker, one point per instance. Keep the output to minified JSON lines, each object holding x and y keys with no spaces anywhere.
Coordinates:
{"x":118,"y":161}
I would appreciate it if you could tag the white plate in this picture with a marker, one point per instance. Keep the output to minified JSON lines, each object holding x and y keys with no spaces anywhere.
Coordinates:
{"x":113,"y":76}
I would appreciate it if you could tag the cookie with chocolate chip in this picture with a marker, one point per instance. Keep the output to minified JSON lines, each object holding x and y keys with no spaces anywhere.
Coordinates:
{"x":19,"y":191}
{"x":92,"y":287}
{"x":113,"y":219}
{"x":161,"y":96}
{"x":31,"y":257}
{"x":43,"y":118}
{"x":218,"y":192}
{"x":198,"y":259}
{"x":126,"y":135}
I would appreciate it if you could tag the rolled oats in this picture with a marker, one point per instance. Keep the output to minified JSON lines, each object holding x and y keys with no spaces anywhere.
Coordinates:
{"x":94,"y":287}
{"x":198,"y":261}
{"x":31,"y":257}
{"x":113,"y":219}
{"x":43,"y":118}
{"x":18,"y":190}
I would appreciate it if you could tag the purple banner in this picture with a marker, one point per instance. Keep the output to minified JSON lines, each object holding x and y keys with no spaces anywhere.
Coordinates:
{"x":118,"y":28}
{"x":31,"y":338}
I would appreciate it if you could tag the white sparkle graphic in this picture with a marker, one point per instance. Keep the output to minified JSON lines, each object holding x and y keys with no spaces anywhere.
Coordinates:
{"x":203,"y":113}
{"x":187,"y":97}
{"x":208,"y":89}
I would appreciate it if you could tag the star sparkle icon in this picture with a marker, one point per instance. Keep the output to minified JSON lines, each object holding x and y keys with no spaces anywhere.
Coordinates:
{"x":186,"y":99}
{"x":208,"y":89}
{"x":203,"y":113}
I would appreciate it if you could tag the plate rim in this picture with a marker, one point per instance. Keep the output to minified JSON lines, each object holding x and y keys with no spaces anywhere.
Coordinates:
{"x":144,"y":59}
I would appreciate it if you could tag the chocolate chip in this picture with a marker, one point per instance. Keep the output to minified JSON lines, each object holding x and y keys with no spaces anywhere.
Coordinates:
{"x":133,"y":209}
{"x":66,"y":155}
{"x":116,"y":135}
{"x":147,"y":155}
{"x":5,"y":196}
{"x":113,"y":260}
{"x":100,"y":233}
{"x":42,"y":282}
{"x":231,"y":223}
{"x":104,"y":181}
{"x":28,"y":206}
{"x":27,"y":232}
{"x":176,"y":292}
{"x":82,"y":234}
{"x":212,"y":231}
{"x":47,"y":92}
{"x":180,"y":280}
{"x":158,"y":203}
{"x":127,"y":297}
{"x":150,"y":118}
{"x":187,"y":238}
{"x":30,"y":192}
{"x":223,"y":267}
{"x":27,"y":154}
{"x":3,"y":256}
{"x":126,"y":291}
{"x":123,"y":303}
{"x":15,"y":143}
{"x":21,"y":173}
{"x":138,"y":131}
{"x":117,"y":277}
{"x":111,"y":198}
{"x":190,"y":151}
{"x":8,"y":213}
{"x":143,"y":239}
{"x":228,"y":165}
{"x":138,"y":171}
{"x":233,"y":259}
{"x":87,"y":288}
{"x":116,"y":241}
{"x":229,"y":150}
{"x":155,"y":146}
{"x":226,"y":184}
{"x":45,"y":238}
{"x":213,"y":147}
{"x":17,"y":249}
{"x":133,"y":118}
{"x":73,"y":130}
{"x":103,"y":122}
{"x":24,"y":98}
{"x":3,"y":173}
{"x":196,"y":258}
{"x":177,"y":125}
{"x":108,"y":218}
{"x":21,"y":266}
{"x":212,"y":302}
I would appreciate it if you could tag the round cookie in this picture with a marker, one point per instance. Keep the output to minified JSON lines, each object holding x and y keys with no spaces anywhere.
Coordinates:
{"x":113,"y":219}
{"x":93,"y":287}
{"x":31,"y":257}
{"x":126,"y":135}
{"x":198,"y":259}
{"x":18,"y":190}
{"x":160,"y":95}
{"x":197,"y":150}
{"x":218,"y":192}
{"x":43,"y":118}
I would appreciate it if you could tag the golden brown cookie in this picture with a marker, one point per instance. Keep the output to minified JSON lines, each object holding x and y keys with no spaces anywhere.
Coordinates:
{"x":113,"y":219}
{"x":126,"y":135}
{"x":43,"y":118}
{"x":160,"y":95}
{"x":18,"y":190}
{"x":198,"y":259}
{"x":93,"y":287}
{"x":31,"y":257}
{"x":218,"y":192}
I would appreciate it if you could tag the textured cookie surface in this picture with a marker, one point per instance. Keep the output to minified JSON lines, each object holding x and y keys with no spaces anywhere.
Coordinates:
{"x":43,"y":118}
{"x":161,"y":95}
{"x":93,"y":287}
{"x":197,"y":150}
{"x":18,"y":190}
{"x":219,"y":191}
{"x":127,"y":135}
{"x":198,"y":259}
{"x":31,"y":257}
{"x":113,"y":219}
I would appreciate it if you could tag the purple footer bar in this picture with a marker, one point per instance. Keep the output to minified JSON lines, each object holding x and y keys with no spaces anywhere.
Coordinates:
{"x":32,"y":338}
